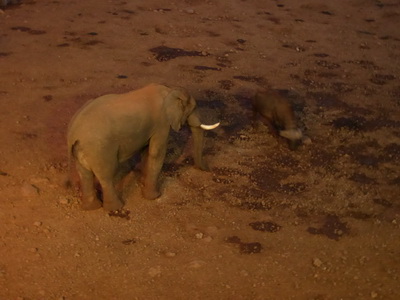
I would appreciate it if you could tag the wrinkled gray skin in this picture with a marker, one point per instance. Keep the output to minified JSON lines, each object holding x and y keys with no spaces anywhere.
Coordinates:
{"x":109,"y":130}
{"x":279,"y":113}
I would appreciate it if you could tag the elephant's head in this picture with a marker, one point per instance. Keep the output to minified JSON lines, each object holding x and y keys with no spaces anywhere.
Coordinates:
{"x":181,"y":108}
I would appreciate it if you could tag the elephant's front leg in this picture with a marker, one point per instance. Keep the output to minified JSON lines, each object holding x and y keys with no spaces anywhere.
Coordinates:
{"x":154,"y":159}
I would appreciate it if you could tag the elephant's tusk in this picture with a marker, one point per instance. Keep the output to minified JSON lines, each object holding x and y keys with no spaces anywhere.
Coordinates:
{"x":209,"y":127}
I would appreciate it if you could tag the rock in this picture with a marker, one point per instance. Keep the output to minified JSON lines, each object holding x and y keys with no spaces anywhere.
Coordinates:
{"x":37,"y":223}
{"x":189,"y":10}
{"x":196,"y":264}
{"x":154,"y":271}
{"x":63,"y":200}
{"x":170,"y":254}
{"x":29,"y":190}
{"x":317,"y":262}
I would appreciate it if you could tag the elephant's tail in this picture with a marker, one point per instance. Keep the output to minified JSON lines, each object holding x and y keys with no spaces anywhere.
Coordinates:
{"x":68,"y":180}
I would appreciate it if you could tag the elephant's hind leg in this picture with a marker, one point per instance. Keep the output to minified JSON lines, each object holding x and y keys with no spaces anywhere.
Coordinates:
{"x":111,"y":201}
{"x":106,"y":174}
{"x":89,"y":198}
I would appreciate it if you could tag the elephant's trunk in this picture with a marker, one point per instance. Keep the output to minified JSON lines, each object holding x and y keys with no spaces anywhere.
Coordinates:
{"x":198,"y":139}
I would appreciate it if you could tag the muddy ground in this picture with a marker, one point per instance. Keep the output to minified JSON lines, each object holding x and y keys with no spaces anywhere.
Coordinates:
{"x":266,"y":222}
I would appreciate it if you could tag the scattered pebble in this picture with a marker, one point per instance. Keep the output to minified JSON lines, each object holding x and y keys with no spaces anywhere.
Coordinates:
{"x":28,"y":190}
{"x":37,"y":223}
{"x":317,"y":262}
{"x":154,"y":271}
{"x":63,"y":201}
{"x":189,"y":11}
{"x":196,"y":264}
{"x":170,"y":254}
{"x":207,"y":239}
{"x":199,"y":235}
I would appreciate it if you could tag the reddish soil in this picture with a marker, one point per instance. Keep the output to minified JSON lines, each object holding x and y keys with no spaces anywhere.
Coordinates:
{"x":320,"y":223}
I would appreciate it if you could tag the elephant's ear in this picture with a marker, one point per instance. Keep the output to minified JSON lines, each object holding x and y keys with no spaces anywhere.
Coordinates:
{"x":174,"y":106}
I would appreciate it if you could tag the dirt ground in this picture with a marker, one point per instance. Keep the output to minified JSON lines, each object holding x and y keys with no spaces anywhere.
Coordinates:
{"x":320,"y":223}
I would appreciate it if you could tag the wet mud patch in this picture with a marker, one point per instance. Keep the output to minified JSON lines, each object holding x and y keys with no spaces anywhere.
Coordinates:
{"x":324,"y":159}
{"x":365,"y":64}
{"x":383,"y":202}
{"x":256,"y":205}
{"x":368,"y":160}
{"x":223,"y":61}
{"x":230,"y":172}
{"x":392,"y":152}
{"x":170,"y":169}
{"x":245,"y":248}
{"x":350,"y":123}
{"x":359,"y":152}
{"x":256,"y":79}
{"x":164,"y":53}
{"x":326,"y":64}
{"x":327,"y":100}
{"x":28,"y":30}
{"x":382,"y":79}
{"x":129,"y":242}
{"x":332,"y":228}
{"x":226,"y":84}
{"x":292,"y":188}
{"x":265,"y":226}
{"x":268,"y":178}
{"x":295,"y":47}
{"x":120,"y":213}
{"x":358,"y":123}
{"x":206,"y":68}
{"x":359,"y":215}
{"x":361,"y":178}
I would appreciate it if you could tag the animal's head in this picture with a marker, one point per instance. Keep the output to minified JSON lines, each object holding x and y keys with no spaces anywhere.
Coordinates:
{"x":294,"y":137}
{"x":181,"y":107}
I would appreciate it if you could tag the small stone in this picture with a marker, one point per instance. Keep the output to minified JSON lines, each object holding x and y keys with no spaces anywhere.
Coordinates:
{"x":63,"y":201}
{"x":306,"y":140}
{"x":207,"y":239}
{"x":28,"y":190}
{"x":374,"y":294}
{"x":189,"y":11}
{"x":170,"y":254}
{"x":37,"y":223}
{"x":154,"y":271}
{"x":317,"y":262}
{"x":199,"y":235}
{"x":33,"y":250}
{"x":196,"y":264}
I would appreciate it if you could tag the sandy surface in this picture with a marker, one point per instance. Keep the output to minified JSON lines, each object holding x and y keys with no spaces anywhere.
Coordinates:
{"x":266,"y":222}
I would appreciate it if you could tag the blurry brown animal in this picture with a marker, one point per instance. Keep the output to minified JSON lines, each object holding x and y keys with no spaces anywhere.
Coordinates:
{"x":277,"y":110}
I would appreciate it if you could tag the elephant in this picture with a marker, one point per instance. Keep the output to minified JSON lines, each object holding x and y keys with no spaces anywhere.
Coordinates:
{"x":278,"y":111}
{"x":109,"y":130}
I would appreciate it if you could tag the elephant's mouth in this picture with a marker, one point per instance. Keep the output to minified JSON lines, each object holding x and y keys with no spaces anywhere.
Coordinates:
{"x":209,"y":127}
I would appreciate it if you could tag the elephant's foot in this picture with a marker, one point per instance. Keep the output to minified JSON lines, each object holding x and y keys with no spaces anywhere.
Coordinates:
{"x":115,"y":204}
{"x":91,"y":204}
{"x":151,"y":194}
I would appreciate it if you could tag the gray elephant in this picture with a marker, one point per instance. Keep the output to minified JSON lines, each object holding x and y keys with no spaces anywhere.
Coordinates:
{"x":278,"y":111}
{"x":109,"y":130}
